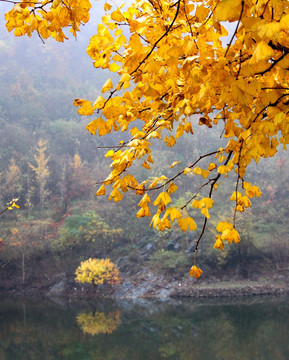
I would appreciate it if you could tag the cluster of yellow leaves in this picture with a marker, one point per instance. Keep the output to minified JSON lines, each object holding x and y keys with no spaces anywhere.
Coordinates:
{"x":243,"y":201}
{"x":228,"y":233}
{"x":48,"y":17}
{"x":170,"y":66}
{"x":95,"y":323}
{"x":204,"y":205}
{"x":13,"y":204}
{"x":97,"y":271}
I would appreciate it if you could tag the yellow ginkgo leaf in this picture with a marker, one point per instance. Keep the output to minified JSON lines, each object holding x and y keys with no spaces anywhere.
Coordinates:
{"x":195,"y":272}
{"x":144,"y":211}
{"x":172,"y":188}
{"x":114,"y":68}
{"x":101,"y":191}
{"x":262,"y":52}
{"x":212,"y":166}
{"x":108,"y":85}
{"x":164,"y":198}
{"x":107,"y":6}
{"x":187,"y":223}
{"x":174,"y":164}
{"x":110,"y":153}
{"x":173,"y":213}
{"x":218,"y":243}
{"x":125,"y":77}
{"x":235,"y":196}
{"x":92,"y":127}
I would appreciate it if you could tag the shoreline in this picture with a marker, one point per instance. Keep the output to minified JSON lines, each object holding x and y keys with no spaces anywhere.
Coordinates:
{"x":154,"y":287}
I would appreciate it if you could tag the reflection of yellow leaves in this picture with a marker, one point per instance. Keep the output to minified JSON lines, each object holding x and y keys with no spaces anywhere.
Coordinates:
{"x":95,"y":323}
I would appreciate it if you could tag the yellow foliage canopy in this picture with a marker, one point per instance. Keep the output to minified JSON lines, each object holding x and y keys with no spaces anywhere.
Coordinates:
{"x":171,"y":66}
{"x":97,"y":271}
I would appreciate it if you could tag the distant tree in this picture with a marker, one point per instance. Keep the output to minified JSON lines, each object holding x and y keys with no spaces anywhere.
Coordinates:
{"x":97,"y":271}
{"x":81,"y":180}
{"x":172,"y":73}
{"x":75,"y":180}
{"x":13,"y":181}
{"x":41,"y":171}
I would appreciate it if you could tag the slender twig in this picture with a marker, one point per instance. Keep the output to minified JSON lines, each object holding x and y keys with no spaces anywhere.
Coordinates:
{"x":196,"y":193}
{"x":236,"y":189}
{"x":190,"y":25}
{"x":186,"y":15}
{"x":275,"y":88}
{"x":181,"y":172}
{"x":156,"y":43}
{"x":235,"y":32}
{"x":273,"y":64}
{"x":264,"y":108}
{"x":3,"y":211}
{"x":265,"y":7}
{"x":214,"y":181}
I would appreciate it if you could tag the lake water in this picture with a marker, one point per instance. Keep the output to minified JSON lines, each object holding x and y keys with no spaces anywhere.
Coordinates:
{"x":34,"y":329}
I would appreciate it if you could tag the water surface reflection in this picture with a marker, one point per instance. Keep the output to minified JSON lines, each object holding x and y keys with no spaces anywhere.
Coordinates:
{"x":185,"y":330}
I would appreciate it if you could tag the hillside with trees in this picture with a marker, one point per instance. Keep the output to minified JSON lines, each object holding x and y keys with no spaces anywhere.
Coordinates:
{"x":52,"y":163}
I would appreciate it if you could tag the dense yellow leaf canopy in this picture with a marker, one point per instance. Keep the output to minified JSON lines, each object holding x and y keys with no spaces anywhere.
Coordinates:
{"x":173,"y":72}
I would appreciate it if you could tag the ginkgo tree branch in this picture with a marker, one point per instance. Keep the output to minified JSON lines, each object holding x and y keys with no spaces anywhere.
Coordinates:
{"x":157,"y":42}
{"x":10,"y":205}
{"x":214,"y":181}
{"x":196,"y":193}
{"x":23,"y":2}
{"x":180,"y":172}
{"x":261,"y":112}
{"x":274,"y":63}
{"x":236,"y":201}
{"x":175,"y":66}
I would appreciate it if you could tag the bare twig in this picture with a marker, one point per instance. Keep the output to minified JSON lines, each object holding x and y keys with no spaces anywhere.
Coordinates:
{"x":273,"y":64}
{"x":156,"y":43}
{"x":235,"y":32}
{"x":214,"y":181}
